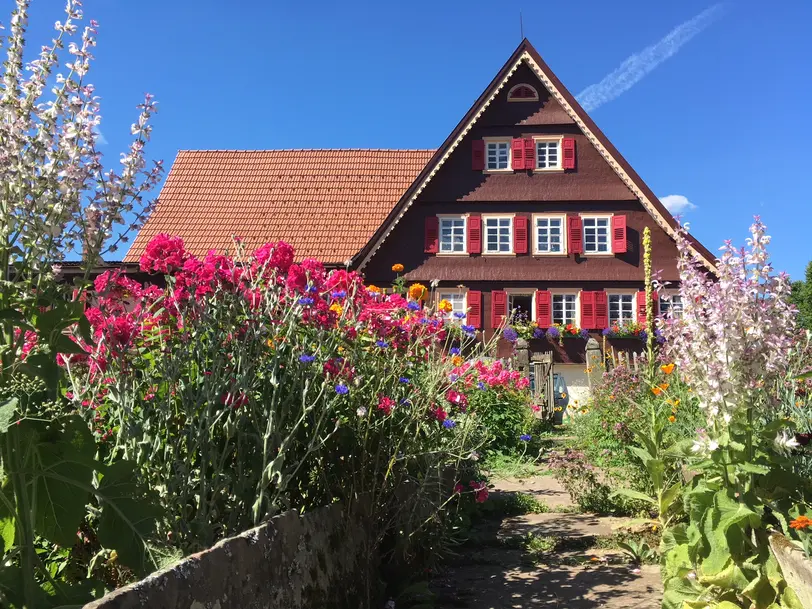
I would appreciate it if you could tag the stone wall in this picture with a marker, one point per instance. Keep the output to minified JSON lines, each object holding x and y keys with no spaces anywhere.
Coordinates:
{"x":319,"y":559}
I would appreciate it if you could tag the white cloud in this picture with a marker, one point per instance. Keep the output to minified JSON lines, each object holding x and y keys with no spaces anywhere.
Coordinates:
{"x":634,"y":68}
{"x":677,"y":204}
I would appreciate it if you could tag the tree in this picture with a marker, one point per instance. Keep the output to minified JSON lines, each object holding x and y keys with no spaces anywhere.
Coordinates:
{"x":802,"y":298}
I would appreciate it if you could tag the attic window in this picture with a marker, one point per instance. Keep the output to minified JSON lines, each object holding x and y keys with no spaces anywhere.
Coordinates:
{"x":521,"y":93}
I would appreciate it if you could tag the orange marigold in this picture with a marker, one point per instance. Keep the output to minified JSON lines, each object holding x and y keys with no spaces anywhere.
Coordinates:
{"x":456,"y":360}
{"x":336,"y":308}
{"x":672,"y":418}
{"x":445,"y":306}
{"x":397,"y":268}
{"x":417,"y":291}
{"x":667,"y":368}
{"x":656,"y":390}
{"x":801,"y":522}
{"x":373,"y":288}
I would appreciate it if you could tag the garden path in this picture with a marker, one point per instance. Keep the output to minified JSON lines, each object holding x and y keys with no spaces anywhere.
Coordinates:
{"x":548,"y":560}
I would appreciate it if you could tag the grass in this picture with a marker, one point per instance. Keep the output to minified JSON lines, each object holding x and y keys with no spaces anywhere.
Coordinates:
{"x":503,"y":505}
{"x":499,"y":465}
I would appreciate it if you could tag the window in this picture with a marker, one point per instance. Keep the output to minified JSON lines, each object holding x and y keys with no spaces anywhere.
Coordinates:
{"x":564,"y":309}
{"x":672,"y":304}
{"x":498,"y":155}
{"x":548,"y":154}
{"x":621,"y":308}
{"x":452,"y":235}
{"x":523,"y":93}
{"x":498,"y":235}
{"x":521,"y":305}
{"x":549,"y":234}
{"x":458,"y":305}
{"x":596,"y":234}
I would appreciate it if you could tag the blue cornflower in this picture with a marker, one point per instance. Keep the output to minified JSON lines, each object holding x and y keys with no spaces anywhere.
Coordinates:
{"x":342,"y":389}
{"x":339,"y":294}
{"x":424,"y":321}
{"x":453,"y":377}
{"x":413,"y":306}
{"x":405,"y":402}
{"x":306,"y":359}
{"x":459,"y":315}
{"x":404,"y":380}
{"x":510,"y":334}
{"x":312,"y":289}
{"x":454,"y":351}
{"x":306,"y":301}
{"x":449,"y":424}
{"x":525,"y":437}
{"x":382,"y":344}
{"x":468,"y":329}
{"x":481,"y":386}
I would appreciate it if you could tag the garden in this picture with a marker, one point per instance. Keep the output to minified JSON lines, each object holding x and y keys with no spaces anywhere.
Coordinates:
{"x":144,"y":421}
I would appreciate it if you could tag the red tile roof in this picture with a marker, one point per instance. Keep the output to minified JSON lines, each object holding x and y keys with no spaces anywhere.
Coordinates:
{"x":326,"y":203}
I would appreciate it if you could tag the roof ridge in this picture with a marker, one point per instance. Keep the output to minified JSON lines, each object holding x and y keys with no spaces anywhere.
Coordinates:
{"x":307,"y":150}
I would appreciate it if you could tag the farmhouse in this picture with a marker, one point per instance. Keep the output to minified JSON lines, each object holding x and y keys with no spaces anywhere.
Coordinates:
{"x":525,"y":206}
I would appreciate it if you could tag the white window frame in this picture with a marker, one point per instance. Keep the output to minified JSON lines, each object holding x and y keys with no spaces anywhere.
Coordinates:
{"x":523,"y":292}
{"x":464,"y":218}
{"x":557,"y":139}
{"x":608,"y":218}
{"x":563,"y":218}
{"x":670,"y":294}
{"x":631,"y":293}
{"x":567,"y":292}
{"x":485,"y":218}
{"x":499,"y":140}
{"x":443,"y":293}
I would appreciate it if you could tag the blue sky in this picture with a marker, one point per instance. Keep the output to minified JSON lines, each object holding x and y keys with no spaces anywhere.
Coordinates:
{"x":723,"y":121}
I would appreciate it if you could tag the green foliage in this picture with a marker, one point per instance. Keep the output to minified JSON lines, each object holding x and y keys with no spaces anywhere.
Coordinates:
{"x":501,"y":465}
{"x":514,"y":504}
{"x":505,"y":416}
{"x":801,"y":297}
{"x":638,"y":550}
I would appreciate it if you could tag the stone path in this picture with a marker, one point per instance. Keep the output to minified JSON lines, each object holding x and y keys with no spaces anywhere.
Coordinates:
{"x":497,"y":571}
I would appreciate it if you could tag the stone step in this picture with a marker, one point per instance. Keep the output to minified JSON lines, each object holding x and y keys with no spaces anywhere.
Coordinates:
{"x":545,"y":488}
{"x":552,"y":524}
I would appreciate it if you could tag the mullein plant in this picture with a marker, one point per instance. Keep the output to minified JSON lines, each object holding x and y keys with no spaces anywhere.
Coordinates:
{"x":731,"y":344}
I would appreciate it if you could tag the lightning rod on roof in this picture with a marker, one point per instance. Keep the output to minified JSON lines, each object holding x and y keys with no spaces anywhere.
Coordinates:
{"x":521,"y":25}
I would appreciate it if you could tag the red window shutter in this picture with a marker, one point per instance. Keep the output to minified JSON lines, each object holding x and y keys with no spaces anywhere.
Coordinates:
{"x":474,"y":234}
{"x":618,"y":234}
{"x":544,"y":309}
{"x":655,"y":296}
{"x":568,"y":153}
{"x":575,"y":235}
{"x":520,"y":234}
{"x":474,"y":309}
{"x":641,"y":306}
{"x":588,"y":310}
{"x":529,"y":153}
{"x":478,"y":155}
{"x":432,"y":235}
{"x":601,"y":310}
{"x":498,"y":308}
{"x":517,"y":149}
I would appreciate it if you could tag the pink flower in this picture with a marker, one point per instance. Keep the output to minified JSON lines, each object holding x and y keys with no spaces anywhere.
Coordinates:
{"x":480,"y":491}
{"x":458,"y":399}
{"x":439,"y":414}
{"x":458,"y":488}
{"x":386,"y":404}
{"x":163,"y":254}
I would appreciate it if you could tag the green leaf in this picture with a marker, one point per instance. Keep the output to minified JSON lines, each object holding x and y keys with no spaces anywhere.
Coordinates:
{"x":789,"y":600}
{"x":11,"y":314}
{"x":760,"y":591}
{"x":805,"y":375}
{"x":679,"y":590}
{"x":128,"y":516}
{"x":60,"y":462}
{"x":732,"y":512}
{"x":656,"y":469}
{"x":731,"y":578}
{"x":7,"y":522}
{"x":727,"y":605}
{"x":672,"y":537}
{"x":632,"y":494}
{"x":63,"y":344}
{"x":669,"y":496}
{"x":753,"y":468}
{"x":42,"y":365}
{"x":8,"y":414}
{"x":641,"y":453}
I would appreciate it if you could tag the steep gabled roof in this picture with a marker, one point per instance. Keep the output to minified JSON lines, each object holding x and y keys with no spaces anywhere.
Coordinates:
{"x":326,"y":203}
{"x":528,"y":54}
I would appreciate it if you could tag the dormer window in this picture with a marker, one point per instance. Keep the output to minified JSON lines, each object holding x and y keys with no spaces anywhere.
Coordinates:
{"x":522,"y":93}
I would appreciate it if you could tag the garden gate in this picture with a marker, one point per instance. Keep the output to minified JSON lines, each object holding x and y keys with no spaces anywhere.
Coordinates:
{"x":541,"y":365}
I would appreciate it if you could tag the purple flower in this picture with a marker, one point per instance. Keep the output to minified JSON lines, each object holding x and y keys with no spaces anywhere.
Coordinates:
{"x":584,"y":333}
{"x":468,"y":329}
{"x":312,"y":289}
{"x":606,"y":332}
{"x":404,"y":380}
{"x":306,"y":359}
{"x":459,"y":315}
{"x":306,"y":300}
{"x":481,"y":386}
{"x":510,"y":334}
{"x":454,"y":351}
{"x":553,"y":332}
{"x":449,"y":424}
{"x":413,"y":306}
{"x":339,"y":294}
{"x":453,"y":377}
{"x":342,"y":389}
{"x":525,"y":437}
{"x":538,"y":333}
{"x":382,"y":344}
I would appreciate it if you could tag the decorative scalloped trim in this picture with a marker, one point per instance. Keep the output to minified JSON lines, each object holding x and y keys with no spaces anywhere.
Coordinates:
{"x":553,"y":90}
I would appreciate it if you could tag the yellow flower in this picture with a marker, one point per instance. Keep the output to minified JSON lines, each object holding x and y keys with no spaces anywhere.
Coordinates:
{"x":667,"y":368}
{"x":417,"y":291}
{"x":336,"y":308}
{"x":375,"y":289}
{"x":456,"y":360}
{"x":269,"y":342}
{"x":397,"y":268}
{"x":445,"y":306}
{"x":612,"y":396}
{"x":674,"y":403}
{"x":672,"y":418}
